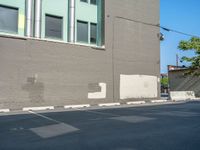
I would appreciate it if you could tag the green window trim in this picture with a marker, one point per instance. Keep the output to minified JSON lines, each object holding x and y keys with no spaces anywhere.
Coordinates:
{"x":88,"y":12}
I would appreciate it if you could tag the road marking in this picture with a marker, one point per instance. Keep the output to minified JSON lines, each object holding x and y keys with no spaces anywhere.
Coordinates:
{"x":38,"y":108}
{"x":4,"y":110}
{"x":108,"y":104}
{"x":54,"y":130}
{"x":133,"y":119}
{"x":136,"y":103}
{"x":158,"y":101}
{"x":101,"y":113}
{"x":45,"y":117}
{"x":76,"y":106}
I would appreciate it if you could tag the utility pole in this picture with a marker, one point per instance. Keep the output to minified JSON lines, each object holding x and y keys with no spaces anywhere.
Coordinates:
{"x":177,"y":60}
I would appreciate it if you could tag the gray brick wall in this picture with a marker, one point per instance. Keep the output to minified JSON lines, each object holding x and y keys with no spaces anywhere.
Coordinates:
{"x":40,"y":73}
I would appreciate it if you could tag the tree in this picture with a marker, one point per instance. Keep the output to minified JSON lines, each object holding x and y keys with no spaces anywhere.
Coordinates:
{"x":164,"y":82}
{"x":191,"y":45}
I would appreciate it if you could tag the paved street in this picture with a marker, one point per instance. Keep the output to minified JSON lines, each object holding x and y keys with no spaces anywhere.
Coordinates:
{"x":164,"y":127}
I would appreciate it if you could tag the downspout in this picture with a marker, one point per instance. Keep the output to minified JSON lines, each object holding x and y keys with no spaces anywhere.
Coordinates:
{"x":29,"y":18}
{"x":71,"y":21}
{"x":38,"y":4}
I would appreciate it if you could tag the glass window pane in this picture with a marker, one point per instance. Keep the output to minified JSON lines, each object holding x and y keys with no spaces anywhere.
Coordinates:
{"x":53,"y":27}
{"x":84,"y":1}
{"x":82,"y":31}
{"x":8,"y":19}
{"x":93,"y":33}
{"x":93,"y":2}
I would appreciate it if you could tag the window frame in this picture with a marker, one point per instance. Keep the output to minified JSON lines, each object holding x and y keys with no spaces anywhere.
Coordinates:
{"x":88,"y":28}
{"x":17,"y":25}
{"x":62,"y":25}
{"x":92,"y":23}
{"x":87,"y":1}
{"x":93,"y":3}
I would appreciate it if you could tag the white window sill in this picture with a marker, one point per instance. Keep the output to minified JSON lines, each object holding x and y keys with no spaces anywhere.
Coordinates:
{"x":8,"y":35}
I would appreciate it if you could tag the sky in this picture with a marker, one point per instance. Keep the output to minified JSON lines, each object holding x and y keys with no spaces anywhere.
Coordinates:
{"x":181,"y":15}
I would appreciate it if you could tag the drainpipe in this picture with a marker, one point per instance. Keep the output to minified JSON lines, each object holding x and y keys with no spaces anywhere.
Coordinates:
{"x":29,"y":17}
{"x":71,"y":21}
{"x":38,"y":4}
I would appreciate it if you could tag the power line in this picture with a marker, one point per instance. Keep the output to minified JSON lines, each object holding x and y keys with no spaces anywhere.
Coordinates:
{"x":159,"y":26}
{"x":179,"y":32}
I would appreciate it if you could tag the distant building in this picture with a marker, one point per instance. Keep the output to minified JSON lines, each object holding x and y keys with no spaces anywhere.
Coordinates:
{"x":63,"y":52}
{"x":172,"y":67}
{"x":179,"y":82}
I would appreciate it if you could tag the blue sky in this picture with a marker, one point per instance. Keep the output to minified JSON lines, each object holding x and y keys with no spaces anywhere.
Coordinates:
{"x":181,"y":15}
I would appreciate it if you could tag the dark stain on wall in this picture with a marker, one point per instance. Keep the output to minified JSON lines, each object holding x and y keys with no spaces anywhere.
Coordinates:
{"x":35,"y":90}
{"x":94,"y":87}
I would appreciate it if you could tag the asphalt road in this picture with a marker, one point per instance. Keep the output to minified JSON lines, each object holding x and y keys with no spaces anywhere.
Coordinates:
{"x":165,"y":127}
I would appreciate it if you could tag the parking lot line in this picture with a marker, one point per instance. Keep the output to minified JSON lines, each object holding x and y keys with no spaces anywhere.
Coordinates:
{"x":101,"y":113}
{"x":45,"y":117}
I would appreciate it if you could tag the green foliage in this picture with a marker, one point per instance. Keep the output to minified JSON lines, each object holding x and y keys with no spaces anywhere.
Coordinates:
{"x":164,"y":82}
{"x":194,"y":45}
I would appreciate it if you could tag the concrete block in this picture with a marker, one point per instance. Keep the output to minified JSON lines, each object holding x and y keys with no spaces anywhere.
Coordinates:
{"x":4,"y":110}
{"x":38,"y":108}
{"x":136,"y":103}
{"x":182,"y":95}
{"x":108,"y":104}
{"x":76,"y":106}
{"x":158,"y":101}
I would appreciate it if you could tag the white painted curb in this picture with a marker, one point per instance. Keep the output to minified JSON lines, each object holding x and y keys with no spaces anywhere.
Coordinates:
{"x":38,"y":108}
{"x":158,"y":101}
{"x":4,"y":110}
{"x":76,"y":106}
{"x":108,"y":104}
{"x":196,"y":99}
{"x":179,"y":100}
{"x":136,"y":103}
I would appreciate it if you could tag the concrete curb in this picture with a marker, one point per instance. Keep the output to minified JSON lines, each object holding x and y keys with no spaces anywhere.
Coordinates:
{"x":76,"y":106}
{"x":4,"y":110}
{"x":108,"y":104}
{"x":159,"y":101}
{"x":38,"y":108}
{"x":133,"y":103}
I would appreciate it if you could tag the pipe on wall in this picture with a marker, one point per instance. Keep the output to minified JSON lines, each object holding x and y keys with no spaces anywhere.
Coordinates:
{"x":38,"y":7}
{"x":72,"y":21}
{"x":29,"y":18}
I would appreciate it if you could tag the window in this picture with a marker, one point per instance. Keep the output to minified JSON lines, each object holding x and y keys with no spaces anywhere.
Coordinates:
{"x":84,"y":1}
{"x":82,"y":31}
{"x":8,"y":19}
{"x":93,"y":2}
{"x":53,"y":27}
{"x":93,"y":33}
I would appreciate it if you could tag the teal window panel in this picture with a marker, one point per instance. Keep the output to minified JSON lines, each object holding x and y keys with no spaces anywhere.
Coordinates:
{"x":101,"y":23}
{"x":54,"y":27}
{"x":92,"y":13}
{"x":93,"y":33}
{"x":55,"y":8}
{"x":94,"y":2}
{"x":82,"y":31}
{"x":8,"y":19}
{"x":20,"y":6}
{"x":86,"y":13}
{"x":84,"y":1}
